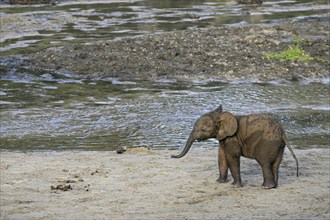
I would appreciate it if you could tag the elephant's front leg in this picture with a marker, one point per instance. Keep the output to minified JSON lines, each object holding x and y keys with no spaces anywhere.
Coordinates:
{"x":223,"y":166}
{"x":234,"y":166}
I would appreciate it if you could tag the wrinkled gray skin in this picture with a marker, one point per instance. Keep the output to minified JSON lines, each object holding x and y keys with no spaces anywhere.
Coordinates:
{"x":258,"y":137}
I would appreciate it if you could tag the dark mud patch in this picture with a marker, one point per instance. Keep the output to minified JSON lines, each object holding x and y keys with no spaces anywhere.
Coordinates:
{"x":223,"y":53}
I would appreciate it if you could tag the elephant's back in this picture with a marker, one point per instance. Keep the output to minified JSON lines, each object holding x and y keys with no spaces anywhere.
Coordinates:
{"x":258,"y":131}
{"x":263,"y":124}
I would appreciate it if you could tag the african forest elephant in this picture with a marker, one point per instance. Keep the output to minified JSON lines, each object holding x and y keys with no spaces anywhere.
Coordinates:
{"x":255,"y":136}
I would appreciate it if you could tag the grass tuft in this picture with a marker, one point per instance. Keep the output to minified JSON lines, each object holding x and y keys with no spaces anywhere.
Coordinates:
{"x":294,"y":52}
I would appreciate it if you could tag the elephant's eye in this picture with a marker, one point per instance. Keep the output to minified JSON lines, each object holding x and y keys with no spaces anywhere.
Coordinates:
{"x":203,"y":129}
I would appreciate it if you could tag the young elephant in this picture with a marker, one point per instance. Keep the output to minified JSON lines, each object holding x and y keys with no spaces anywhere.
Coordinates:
{"x":255,"y":136}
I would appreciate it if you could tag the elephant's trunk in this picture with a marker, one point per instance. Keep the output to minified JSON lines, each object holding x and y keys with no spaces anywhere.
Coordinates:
{"x":189,"y":142}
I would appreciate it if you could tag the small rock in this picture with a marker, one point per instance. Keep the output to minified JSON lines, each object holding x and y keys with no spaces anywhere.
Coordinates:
{"x":121,"y":150}
{"x":87,"y":187}
{"x":94,"y":172}
{"x":63,"y":187}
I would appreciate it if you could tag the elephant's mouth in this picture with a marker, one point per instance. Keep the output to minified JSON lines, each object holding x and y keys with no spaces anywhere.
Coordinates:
{"x":203,"y":138}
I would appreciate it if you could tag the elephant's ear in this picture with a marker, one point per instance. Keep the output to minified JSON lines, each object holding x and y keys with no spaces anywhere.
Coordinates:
{"x":227,"y":125}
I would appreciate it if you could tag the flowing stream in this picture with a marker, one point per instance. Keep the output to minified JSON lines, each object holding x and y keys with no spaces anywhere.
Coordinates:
{"x":47,"y":113}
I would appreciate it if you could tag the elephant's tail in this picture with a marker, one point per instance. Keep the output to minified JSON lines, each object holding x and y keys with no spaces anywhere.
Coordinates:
{"x":285,"y":139}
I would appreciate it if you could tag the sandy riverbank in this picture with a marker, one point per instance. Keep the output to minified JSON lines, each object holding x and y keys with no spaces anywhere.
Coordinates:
{"x":151,"y":185}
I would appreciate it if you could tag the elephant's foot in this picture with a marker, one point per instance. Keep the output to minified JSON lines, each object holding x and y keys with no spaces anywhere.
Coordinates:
{"x":222,"y":180}
{"x":269,"y":185}
{"x":237,"y":184}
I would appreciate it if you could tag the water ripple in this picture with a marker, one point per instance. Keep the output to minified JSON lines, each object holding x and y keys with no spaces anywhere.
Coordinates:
{"x":102,"y":115}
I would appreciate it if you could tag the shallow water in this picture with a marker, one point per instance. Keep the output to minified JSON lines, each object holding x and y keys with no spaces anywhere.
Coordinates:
{"x":45,"y":113}
{"x":27,"y":29}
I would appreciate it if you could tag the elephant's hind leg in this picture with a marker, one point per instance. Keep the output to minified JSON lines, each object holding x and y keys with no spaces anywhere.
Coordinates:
{"x":276,"y":166}
{"x":269,"y":179}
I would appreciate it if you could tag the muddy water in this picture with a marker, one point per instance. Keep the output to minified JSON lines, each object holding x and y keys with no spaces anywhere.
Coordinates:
{"x":27,"y":29}
{"x":46,"y":113}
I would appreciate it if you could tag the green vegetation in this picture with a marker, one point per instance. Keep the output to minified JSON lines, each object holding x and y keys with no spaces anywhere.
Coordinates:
{"x":294,"y":52}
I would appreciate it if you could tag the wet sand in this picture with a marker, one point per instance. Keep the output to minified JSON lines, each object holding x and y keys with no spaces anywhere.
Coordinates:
{"x":141,"y":184}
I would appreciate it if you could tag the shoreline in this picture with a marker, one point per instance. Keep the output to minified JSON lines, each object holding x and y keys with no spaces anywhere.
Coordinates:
{"x":143,"y":184}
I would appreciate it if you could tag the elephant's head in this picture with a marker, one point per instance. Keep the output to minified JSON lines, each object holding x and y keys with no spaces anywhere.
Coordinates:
{"x":215,"y":124}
